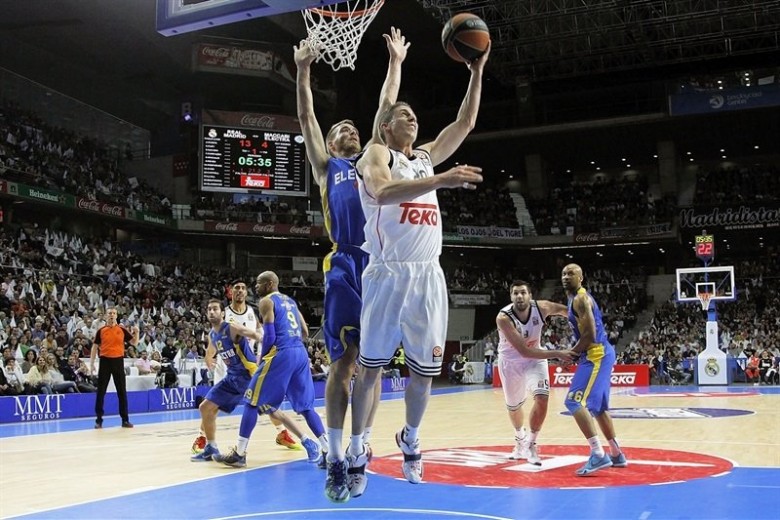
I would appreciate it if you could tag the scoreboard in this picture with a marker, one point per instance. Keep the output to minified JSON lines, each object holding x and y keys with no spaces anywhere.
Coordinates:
{"x":243,"y":159}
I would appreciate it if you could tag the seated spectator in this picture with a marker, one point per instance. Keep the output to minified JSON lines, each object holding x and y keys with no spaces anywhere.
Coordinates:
{"x":30,"y":360}
{"x":13,"y":373}
{"x":456,"y":369}
{"x":39,"y":379}
{"x":751,"y":369}
{"x":144,"y":365}
{"x":78,"y":372}
{"x":765,"y":363}
{"x":318,"y":371}
{"x":59,"y":384}
{"x":6,"y":387}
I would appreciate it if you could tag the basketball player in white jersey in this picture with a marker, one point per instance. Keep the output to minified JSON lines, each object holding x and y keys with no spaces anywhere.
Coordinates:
{"x":522,"y":364}
{"x":238,"y":312}
{"x":404,"y":292}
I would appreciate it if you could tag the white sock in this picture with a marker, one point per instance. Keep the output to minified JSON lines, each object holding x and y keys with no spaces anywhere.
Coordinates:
{"x":323,"y":442}
{"x":241,"y":446}
{"x":304,"y":437}
{"x":279,"y":427}
{"x":614,"y":447}
{"x":335,"y":452}
{"x":532,"y":437}
{"x":520,"y":433}
{"x":367,"y":434}
{"x":595,"y":446}
{"x":213,"y":444}
{"x":356,"y":444}
{"x":410,"y":435}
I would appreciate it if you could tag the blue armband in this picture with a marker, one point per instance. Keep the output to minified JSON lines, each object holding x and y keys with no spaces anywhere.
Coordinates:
{"x":269,"y":338}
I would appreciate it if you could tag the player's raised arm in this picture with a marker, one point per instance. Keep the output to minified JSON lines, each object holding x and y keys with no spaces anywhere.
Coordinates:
{"x":396,"y":47}
{"x":318,"y":156}
{"x":374,"y":169}
{"x":454,"y":134}
{"x":549,"y":308}
{"x":237,"y":330}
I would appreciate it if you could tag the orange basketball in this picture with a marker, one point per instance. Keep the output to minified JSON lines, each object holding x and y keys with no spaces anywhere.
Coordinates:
{"x":465,"y":37}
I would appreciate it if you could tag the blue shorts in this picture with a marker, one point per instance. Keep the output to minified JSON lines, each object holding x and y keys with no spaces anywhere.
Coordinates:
{"x":228,"y":392}
{"x":282,"y":373}
{"x":343,"y":288}
{"x":591,"y":382}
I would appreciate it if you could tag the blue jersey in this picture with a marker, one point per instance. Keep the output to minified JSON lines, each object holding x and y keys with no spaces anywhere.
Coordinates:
{"x":287,"y":322}
{"x":601,"y":335}
{"x":238,"y":358}
{"x":344,"y":219}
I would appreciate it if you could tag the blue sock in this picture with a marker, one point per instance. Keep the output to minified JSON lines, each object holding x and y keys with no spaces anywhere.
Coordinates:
{"x":314,"y":422}
{"x":248,"y":421}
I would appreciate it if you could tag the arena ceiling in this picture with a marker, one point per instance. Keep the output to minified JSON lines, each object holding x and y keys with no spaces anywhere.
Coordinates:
{"x":108,"y":54}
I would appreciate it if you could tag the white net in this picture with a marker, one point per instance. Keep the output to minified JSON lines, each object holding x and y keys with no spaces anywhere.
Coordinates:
{"x":704,"y":298}
{"x":335,"y":30}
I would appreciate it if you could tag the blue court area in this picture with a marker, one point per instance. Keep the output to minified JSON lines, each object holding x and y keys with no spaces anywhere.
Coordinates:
{"x":293,"y":490}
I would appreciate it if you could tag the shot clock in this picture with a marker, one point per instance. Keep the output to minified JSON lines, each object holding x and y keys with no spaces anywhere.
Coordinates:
{"x":704,"y":247}
{"x":245,"y":159}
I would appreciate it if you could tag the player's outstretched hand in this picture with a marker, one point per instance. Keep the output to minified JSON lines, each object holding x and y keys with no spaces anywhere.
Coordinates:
{"x":567,"y":356}
{"x":303,"y":54}
{"x":396,"y":44}
{"x":462,"y":176}
{"x":479,"y":63}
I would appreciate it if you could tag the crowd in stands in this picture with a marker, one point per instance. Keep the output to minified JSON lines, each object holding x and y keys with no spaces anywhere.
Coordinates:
{"x":489,"y":205}
{"x":281,"y":210}
{"x":583,"y":207}
{"x":738,"y":185}
{"x":35,"y":153}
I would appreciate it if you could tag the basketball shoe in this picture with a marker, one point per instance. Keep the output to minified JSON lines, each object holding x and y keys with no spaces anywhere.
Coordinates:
{"x":595,"y":463}
{"x":285,"y":439}
{"x":208,"y":453}
{"x":232,"y":459}
{"x":356,"y":471}
{"x":619,"y":461}
{"x":520,"y":451}
{"x":312,"y":451}
{"x":533,"y":454}
{"x":337,"y":481}
{"x":199,"y":444}
{"x":412,"y":466}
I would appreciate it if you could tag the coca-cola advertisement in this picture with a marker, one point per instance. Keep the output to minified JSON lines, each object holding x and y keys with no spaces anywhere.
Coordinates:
{"x":104,"y":208}
{"x":251,"y":120}
{"x":233,"y":59}
{"x":252,"y":228}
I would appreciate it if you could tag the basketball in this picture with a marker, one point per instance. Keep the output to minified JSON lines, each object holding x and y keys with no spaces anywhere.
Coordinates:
{"x":465,"y":37}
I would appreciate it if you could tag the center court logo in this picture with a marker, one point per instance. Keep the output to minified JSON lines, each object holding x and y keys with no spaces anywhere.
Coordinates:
{"x":478,"y":465}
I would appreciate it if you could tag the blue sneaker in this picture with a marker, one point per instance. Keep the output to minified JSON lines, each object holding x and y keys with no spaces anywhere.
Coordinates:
{"x":595,"y":463}
{"x":312,"y":450}
{"x":336,"y":484}
{"x":619,"y":461}
{"x":232,"y":459}
{"x":207,"y":454}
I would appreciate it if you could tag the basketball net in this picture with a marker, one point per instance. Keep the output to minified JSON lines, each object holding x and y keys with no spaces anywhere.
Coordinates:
{"x":704,"y":298}
{"x":335,"y":34}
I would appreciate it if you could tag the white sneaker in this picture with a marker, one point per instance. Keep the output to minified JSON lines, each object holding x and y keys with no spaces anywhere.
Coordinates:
{"x":412,"y":466}
{"x":356,"y":472}
{"x":520,"y":452}
{"x":533,"y":455}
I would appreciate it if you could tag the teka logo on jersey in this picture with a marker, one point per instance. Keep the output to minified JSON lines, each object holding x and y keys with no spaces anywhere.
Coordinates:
{"x":178,"y":398}
{"x":39,"y":407}
{"x":420,"y":214}
{"x":478,"y":465}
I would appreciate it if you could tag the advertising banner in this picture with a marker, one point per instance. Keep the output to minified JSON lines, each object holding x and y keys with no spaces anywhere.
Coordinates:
{"x":40,"y":194}
{"x":104,"y":208}
{"x":181,"y":398}
{"x":724,"y":100}
{"x":490,"y":232}
{"x":622,"y":375}
{"x":45,"y":407}
{"x":730,"y":218}
{"x":621,"y":233}
{"x":263,"y":229}
{"x":470,"y":299}
{"x":233,"y":59}
{"x":305,"y":263}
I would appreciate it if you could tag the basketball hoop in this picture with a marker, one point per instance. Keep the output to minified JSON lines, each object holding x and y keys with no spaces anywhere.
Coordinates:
{"x":335,"y":33}
{"x":704,"y":298}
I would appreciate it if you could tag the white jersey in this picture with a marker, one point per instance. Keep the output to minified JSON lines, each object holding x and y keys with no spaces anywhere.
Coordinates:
{"x":409,"y":231}
{"x":247,"y":319}
{"x":531,"y":330}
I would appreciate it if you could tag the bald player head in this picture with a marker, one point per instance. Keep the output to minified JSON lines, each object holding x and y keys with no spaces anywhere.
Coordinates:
{"x":267,"y":282}
{"x":571,"y":278}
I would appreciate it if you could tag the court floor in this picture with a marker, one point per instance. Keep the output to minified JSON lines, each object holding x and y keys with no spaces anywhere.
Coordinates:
{"x":694,"y":452}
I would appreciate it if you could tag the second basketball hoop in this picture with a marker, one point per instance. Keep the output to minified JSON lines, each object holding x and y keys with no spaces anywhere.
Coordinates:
{"x":335,"y":31}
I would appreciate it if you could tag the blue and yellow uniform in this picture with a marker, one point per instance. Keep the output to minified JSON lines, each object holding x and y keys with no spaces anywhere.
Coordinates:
{"x":284,"y":370}
{"x":344,"y":265}
{"x":591,"y":382}
{"x":241,"y":364}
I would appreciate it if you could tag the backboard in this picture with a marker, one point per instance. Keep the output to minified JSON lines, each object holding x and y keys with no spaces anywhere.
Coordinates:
{"x":718,"y":282}
{"x":182,"y":16}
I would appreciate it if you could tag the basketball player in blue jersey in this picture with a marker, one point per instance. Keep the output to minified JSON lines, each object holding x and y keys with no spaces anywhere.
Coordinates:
{"x":283,"y":371}
{"x":230,"y":342}
{"x":332,"y":159}
{"x":589,"y":391}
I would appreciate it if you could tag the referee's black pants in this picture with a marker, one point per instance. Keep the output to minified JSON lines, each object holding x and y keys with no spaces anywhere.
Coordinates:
{"x":111,"y":367}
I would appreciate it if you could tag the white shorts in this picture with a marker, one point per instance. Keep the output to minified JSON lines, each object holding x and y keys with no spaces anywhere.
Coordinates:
{"x":519,"y":377}
{"x":404,"y":303}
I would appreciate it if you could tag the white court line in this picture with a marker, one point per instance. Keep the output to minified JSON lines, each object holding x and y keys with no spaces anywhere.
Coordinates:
{"x":645,"y":515}
{"x":340,"y":513}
